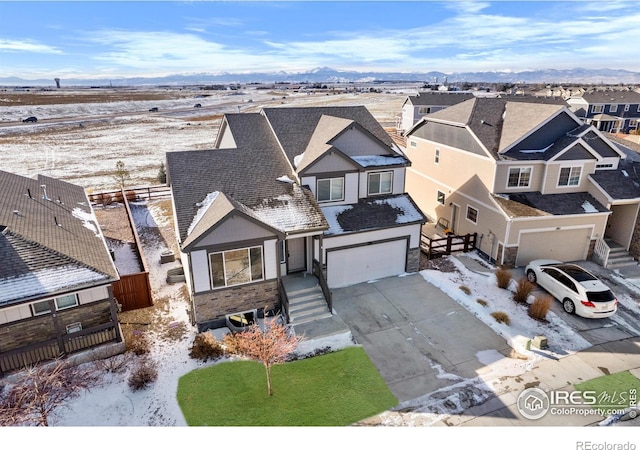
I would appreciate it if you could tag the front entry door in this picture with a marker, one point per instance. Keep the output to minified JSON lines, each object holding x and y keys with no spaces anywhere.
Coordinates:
{"x":296,"y":255}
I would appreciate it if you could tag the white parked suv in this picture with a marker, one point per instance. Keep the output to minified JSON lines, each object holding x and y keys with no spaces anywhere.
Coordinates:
{"x":579,"y":291}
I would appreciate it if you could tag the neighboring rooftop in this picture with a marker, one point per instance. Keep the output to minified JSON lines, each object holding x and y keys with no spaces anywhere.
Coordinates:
{"x":50,"y":239}
{"x":533,"y":204}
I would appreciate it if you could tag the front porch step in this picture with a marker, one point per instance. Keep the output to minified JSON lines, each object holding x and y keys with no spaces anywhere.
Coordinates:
{"x":618,"y":256}
{"x":306,"y":300}
{"x":310,"y":317}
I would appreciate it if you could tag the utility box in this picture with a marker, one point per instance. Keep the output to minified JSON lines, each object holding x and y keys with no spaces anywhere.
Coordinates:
{"x":540,"y":342}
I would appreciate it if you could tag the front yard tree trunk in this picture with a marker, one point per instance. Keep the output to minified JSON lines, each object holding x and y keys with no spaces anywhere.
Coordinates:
{"x":269,"y":389}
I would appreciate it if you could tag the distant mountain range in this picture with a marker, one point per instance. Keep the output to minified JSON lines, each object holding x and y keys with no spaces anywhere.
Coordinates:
{"x":328,"y":75}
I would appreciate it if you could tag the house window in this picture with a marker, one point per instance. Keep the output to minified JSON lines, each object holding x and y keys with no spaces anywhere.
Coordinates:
{"x":380,"y":183}
{"x":569,"y":176}
{"x":440,"y":197}
{"x":64,"y":302}
{"x":234,"y":267}
{"x":604,"y":166}
{"x":424,"y":110}
{"x":413,"y":144}
{"x":68,"y":301}
{"x":519,"y":177}
{"x":331,"y":189}
{"x":74,"y":327}
{"x":437,"y":156}
{"x":596,"y":109}
{"x":472,"y":214}
{"x":613,"y":108}
{"x":283,"y":252}
{"x":40,"y":308}
{"x":633,"y":124}
{"x":626,"y":108}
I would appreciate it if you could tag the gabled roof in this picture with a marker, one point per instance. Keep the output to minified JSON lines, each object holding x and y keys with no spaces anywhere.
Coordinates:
{"x":438,"y":98}
{"x":322,"y":141}
{"x":294,"y":127}
{"x":50,"y":239}
{"x":247,"y":175}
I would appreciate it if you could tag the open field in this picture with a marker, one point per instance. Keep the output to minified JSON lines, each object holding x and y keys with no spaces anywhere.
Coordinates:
{"x":80,"y":135}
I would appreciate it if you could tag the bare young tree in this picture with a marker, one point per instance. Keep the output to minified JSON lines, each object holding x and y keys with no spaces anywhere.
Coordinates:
{"x":41,"y":390}
{"x":121,"y":175}
{"x":270,"y":344}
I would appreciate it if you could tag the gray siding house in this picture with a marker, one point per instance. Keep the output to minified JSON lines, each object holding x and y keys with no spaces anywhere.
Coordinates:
{"x":614,"y":111}
{"x":286,"y":191}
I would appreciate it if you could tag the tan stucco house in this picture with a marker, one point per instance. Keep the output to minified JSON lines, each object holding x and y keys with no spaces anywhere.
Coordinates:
{"x":531,"y":179}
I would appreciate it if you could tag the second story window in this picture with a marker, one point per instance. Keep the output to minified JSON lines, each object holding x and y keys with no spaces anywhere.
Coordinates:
{"x":596,"y":109}
{"x":519,"y":177}
{"x":436,"y":158}
{"x":626,"y":108}
{"x":380,"y":183}
{"x":569,"y":176}
{"x":330,"y":189}
{"x":613,"y":108}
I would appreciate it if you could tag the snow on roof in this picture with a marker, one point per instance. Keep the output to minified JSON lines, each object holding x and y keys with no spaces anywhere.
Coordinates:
{"x":331,"y":213}
{"x":47,"y":280}
{"x":204,"y":205}
{"x":285,"y":212}
{"x":378,"y":160}
{"x":588,"y":207}
{"x":297,"y":159}
{"x":409,"y":212}
{"x":541,"y":150}
{"x":88,"y":220}
{"x":285,"y":179}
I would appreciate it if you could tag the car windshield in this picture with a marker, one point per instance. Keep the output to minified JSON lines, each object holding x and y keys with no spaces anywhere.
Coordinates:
{"x":600,"y":296}
{"x":577,"y":273}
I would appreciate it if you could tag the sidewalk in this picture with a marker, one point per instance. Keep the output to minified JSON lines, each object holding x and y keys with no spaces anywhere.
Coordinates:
{"x":551,"y":374}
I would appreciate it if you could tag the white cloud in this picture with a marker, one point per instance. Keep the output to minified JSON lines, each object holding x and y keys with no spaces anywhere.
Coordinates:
{"x":26,"y":46}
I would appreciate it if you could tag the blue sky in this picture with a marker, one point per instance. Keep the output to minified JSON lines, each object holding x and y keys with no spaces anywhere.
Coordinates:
{"x":150,"y":38}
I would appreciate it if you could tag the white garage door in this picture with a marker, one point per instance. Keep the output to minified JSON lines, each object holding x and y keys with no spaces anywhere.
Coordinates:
{"x":366,"y":263}
{"x":563,"y":245}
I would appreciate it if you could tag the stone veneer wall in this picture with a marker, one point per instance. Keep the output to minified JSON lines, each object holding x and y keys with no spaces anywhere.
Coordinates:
{"x":211,"y":308}
{"x":634,"y":247}
{"x":38,"y":329}
{"x":413,"y":260}
{"x":510,"y":254}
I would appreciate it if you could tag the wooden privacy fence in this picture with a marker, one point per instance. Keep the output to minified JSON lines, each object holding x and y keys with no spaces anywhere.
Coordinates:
{"x":437,"y":247}
{"x":63,"y":345}
{"x":131,"y":194}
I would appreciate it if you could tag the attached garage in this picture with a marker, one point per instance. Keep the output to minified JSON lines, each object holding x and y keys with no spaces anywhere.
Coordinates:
{"x":354,"y":265}
{"x":563,"y":245}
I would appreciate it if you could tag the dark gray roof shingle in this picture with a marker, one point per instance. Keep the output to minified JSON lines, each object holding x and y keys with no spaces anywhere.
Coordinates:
{"x":535,"y":204}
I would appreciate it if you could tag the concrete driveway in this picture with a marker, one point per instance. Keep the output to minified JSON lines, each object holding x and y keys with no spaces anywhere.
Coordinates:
{"x":419,"y":339}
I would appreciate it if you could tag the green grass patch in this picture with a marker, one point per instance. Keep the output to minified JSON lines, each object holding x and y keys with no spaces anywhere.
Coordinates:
{"x":613,"y":390}
{"x":335,"y":389}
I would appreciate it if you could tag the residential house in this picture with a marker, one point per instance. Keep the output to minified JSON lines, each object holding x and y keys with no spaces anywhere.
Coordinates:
{"x":610,"y":110}
{"x":56,"y":295}
{"x":317,"y":191}
{"x":415,"y":107}
{"x":532,"y":180}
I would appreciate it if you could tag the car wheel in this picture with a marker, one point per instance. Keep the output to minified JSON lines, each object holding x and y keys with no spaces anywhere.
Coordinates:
{"x":531,"y":276}
{"x":568,"y":306}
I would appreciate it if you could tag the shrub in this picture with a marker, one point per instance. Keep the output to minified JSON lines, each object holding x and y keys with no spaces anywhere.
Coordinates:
{"x":206,"y":346}
{"x":540,"y":306}
{"x":503,"y":277}
{"x":114,"y":364}
{"x":143,"y":374}
{"x":138,"y":343}
{"x":501,"y":317}
{"x":523,"y":289}
{"x":482,"y":302}
{"x":465,"y":289}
